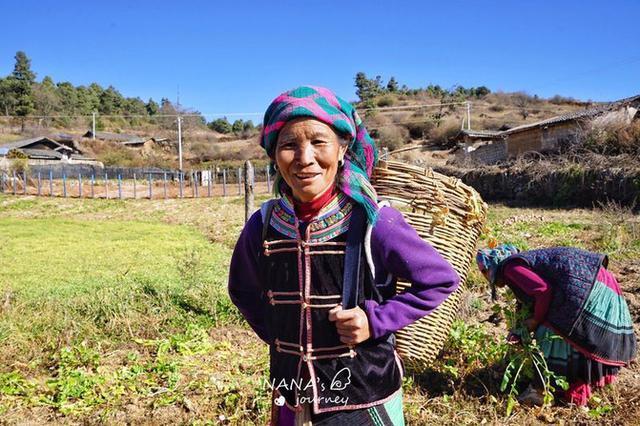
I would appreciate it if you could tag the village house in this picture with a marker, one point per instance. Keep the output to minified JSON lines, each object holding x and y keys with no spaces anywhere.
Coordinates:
{"x":43,"y":150}
{"x":145,"y":144}
{"x":543,"y":136}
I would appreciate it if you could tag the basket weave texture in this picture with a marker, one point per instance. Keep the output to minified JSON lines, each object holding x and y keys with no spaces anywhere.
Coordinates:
{"x":450,"y":216}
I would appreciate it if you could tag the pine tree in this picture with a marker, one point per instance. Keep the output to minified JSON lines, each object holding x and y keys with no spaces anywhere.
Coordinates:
{"x":237,"y":126}
{"x":152,"y":107}
{"x":20,"y":86}
{"x":45,"y":99}
{"x":220,"y":125}
{"x":392,"y":85}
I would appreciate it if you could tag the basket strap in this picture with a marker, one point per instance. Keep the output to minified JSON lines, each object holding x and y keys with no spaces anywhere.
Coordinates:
{"x":353,"y":254}
{"x":266,"y":210}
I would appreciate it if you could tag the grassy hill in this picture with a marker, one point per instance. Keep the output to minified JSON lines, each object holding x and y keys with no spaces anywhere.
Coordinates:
{"x":395,"y":120}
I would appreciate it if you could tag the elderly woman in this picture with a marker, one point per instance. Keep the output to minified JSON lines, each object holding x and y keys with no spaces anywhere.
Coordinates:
{"x":314,"y":271}
{"x":580,"y":318}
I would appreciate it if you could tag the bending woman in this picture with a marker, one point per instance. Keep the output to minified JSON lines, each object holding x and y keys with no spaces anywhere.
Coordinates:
{"x":314,"y":271}
{"x":575,"y":297}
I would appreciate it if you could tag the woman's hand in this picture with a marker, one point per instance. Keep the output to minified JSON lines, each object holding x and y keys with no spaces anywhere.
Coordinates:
{"x":352,"y":324}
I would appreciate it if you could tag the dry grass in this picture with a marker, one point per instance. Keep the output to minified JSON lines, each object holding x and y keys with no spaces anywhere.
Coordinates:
{"x":159,"y":368}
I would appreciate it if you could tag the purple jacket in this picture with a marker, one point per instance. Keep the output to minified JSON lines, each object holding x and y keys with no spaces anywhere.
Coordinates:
{"x":397,"y":251}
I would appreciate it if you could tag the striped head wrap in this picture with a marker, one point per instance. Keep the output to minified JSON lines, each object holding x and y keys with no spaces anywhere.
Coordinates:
{"x":323,"y":105}
{"x":491,"y":259}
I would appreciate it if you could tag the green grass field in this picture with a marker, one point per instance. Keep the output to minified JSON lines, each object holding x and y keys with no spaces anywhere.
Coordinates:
{"x":117,"y":312}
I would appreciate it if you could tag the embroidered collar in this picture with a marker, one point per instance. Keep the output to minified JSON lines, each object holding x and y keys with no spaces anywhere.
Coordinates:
{"x":332,"y":220}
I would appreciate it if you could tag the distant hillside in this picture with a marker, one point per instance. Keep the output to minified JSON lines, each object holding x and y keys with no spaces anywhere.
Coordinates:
{"x":396,"y":116}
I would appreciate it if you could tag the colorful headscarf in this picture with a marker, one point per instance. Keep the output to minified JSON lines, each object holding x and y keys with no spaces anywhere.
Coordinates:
{"x":323,"y":105}
{"x":491,"y":259}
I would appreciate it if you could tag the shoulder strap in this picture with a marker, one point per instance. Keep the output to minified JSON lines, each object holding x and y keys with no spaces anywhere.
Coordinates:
{"x":266,"y":210}
{"x":351,"y":278}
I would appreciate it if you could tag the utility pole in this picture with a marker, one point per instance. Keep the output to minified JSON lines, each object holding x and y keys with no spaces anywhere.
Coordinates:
{"x":180,"y":142}
{"x":93,"y":125}
{"x":468,"y":115}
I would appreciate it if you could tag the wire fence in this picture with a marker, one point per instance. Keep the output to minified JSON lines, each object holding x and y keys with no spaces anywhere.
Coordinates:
{"x":86,"y":181}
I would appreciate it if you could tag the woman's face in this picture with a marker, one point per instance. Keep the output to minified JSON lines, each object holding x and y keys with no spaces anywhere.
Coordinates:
{"x":307,"y":155}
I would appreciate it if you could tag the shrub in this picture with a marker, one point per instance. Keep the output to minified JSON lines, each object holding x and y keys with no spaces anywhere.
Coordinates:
{"x":385,"y":101}
{"x":220,"y":125}
{"x":19,"y":165}
{"x":444,"y":134}
{"x":392,"y":136}
{"x":613,"y":138}
{"x":420,"y":130}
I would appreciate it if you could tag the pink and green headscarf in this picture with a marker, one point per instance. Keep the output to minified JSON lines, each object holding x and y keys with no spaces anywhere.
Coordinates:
{"x":491,"y":260}
{"x":323,"y":105}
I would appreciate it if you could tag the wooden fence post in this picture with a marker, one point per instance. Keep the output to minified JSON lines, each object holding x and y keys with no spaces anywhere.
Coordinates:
{"x":209,"y":183}
{"x":134,"y":187}
{"x":93,"y":184}
{"x":194,"y":182}
{"x":50,"y":182}
{"x":248,"y":190}
{"x":24,"y":182}
{"x":64,"y":183}
{"x":39,"y":184}
{"x":181,"y":182}
{"x":224,"y":182}
{"x":119,"y":186}
{"x":106,"y":185}
{"x":15,"y":182}
{"x":79,"y":185}
{"x":150,"y":190}
{"x":165,"y":185}
{"x":239,"y":181}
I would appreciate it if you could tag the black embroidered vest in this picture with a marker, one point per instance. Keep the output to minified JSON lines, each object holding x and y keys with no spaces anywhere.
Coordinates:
{"x":303,"y":278}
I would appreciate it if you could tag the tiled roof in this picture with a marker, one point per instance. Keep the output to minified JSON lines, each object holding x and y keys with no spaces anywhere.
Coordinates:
{"x":26,"y":142}
{"x":42,"y":153}
{"x":108,"y":136}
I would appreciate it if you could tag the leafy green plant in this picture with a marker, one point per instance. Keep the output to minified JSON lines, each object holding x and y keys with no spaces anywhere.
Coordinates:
{"x":470,"y":347}
{"x":526,"y":361}
{"x":600,"y":409}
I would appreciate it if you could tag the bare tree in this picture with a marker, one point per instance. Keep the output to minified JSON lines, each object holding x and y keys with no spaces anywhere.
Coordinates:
{"x":523,"y":102}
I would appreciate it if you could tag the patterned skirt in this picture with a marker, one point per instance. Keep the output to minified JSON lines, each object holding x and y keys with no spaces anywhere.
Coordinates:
{"x":603,"y":340}
{"x":387,"y":414}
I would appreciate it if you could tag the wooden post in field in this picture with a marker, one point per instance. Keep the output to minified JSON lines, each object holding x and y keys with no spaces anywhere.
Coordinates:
{"x":24,"y":182}
{"x":50,"y":182}
{"x":209,"y":183}
{"x":194,"y":181}
{"x":165,"y":185}
{"x":181,"y":182}
{"x":150,"y":190}
{"x":79,"y":185}
{"x":135,"y":193}
{"x":239,"y":181}
{"x":15,"y":182}
{"x":248,"y":190}
{"x":93,"y":185}
{"x":39,"y":184}
{"x":224,"y":182}
{"x":119,"y":186}
{"x":106,"y":185}
{"x":64,"y":183}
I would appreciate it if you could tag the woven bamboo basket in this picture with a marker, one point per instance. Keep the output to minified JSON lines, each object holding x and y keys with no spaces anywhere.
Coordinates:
{"x":450,"y":216}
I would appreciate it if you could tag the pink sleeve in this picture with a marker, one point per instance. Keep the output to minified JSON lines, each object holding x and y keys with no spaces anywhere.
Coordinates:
{"x":532,"y":284}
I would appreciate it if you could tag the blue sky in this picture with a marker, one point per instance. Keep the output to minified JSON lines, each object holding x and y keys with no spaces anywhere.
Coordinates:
{"x":235,"y":56}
